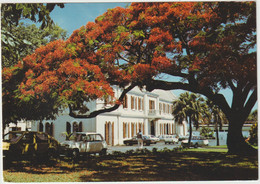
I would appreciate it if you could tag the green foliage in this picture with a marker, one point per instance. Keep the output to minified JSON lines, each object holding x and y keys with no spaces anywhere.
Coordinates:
{"x":12,"y":13}
{"x":253,"y":116}
{"x":254,"y":134}
{"x":19,"y":41}
{"x":189,"y":105}
{"x":206,"y":132}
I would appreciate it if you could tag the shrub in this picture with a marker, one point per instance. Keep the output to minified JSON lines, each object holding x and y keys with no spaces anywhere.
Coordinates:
{"x":253,"y":134}
{"x":206,"y":132}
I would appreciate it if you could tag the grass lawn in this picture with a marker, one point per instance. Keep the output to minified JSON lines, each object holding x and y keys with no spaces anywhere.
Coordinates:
{"x":188,"y":165}
{"x":222,"y":149}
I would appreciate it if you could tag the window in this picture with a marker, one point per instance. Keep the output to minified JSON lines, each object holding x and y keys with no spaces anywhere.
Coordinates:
{"x":132,"y":102}
{"x":125,"y":130}
{"x":93,"y":137}
{"x":40,"y":127}
{"x":75,"y":127}
{"x":27,"y":138}
{"x":164,"y":108}
{"x":49,"y":128}
{"x":80,"y":129}
{"x":160,"y":108}
{"x":16,"y":128}
{"x":68,"y":128}
{"x":125,"y":104}
{"x":135,"y":102}
{"x":98,"y":138}
{"x":151,"y":105}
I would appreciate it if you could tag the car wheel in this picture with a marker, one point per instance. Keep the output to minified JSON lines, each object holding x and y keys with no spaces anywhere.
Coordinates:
{"x":75,"y":154}
{"x":196,"y":145}
{"x":103,"y":152}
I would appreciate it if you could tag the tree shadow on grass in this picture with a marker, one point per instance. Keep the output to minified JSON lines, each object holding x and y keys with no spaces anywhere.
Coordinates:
{"x":157,"y":166}
{"x":183,"y":166}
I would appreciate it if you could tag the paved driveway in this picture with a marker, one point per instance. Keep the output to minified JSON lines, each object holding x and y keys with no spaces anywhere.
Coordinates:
{"x":159,"y":146}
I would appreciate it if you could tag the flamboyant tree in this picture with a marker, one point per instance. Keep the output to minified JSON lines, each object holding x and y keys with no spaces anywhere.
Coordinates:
{"x":203,"y":46}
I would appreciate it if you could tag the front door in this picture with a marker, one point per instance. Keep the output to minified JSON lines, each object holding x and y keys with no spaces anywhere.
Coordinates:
{"x":152,"y":128}
{"x":109,"y":133}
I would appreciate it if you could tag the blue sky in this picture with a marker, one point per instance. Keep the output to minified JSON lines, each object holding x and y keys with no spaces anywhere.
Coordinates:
{"x":75,"y":15}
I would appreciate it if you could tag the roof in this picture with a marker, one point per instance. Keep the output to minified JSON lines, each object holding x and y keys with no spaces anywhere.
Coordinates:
{"x":166,"y":95}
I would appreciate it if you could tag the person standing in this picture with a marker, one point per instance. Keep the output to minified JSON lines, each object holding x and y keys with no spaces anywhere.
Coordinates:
{"x":140,"y":139}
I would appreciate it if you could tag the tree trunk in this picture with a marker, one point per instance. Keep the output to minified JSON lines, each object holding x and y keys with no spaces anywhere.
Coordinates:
{"x":190,"y":131}
{"x":235,"y":140}
{"x":217,"y":134}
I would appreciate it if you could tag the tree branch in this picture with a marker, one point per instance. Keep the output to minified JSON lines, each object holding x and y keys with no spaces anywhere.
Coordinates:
{"x":218,"y":99}
{"x":251,"y":102}
{"x":246,"y":90}
{"x":97,"y":112}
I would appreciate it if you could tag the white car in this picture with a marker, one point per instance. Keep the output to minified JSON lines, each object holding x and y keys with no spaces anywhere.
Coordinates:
{"x":195,"y":142}
{"x":171,"y":139}
{"x":154,"y":139}
{"x":161,"y":137}
{"x":84,"y":143}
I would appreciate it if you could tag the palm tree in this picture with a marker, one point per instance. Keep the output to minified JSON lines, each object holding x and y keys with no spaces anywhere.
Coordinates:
{"x":188,"y":107}
{"x":216,"y":116}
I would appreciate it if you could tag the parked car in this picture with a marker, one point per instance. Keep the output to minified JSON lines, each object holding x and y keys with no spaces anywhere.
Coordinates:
{"x":196,"y":141}
{"x":161,"y":137}
{"x":18,"y":144}
{"x":83,"y":143}
{"x":171,"y":139}
{"x":183,"y":137}
{"x":154,"y":139}
{"x":134,"y":140}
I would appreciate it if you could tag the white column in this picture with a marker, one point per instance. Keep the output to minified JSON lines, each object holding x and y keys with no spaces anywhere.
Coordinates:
{"x":146,"y":105}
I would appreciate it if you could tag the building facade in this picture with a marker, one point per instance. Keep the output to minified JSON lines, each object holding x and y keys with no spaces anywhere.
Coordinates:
{"x":149,"y":111}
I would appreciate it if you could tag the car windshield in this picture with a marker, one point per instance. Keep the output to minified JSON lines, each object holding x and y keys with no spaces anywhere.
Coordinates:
{"x":80,"y":137}
{"x":12,"y":136}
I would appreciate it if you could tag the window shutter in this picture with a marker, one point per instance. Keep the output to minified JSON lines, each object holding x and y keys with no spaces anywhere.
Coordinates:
{"x":80,"y":127}
{"x":128,"y":130}
{"x":126,"y":104}
{"x":132,"y":102}
{"x":52,"y":128}
{"x":112,"y":133}
{"x":124,"y":130}
{"x":68,"y":128}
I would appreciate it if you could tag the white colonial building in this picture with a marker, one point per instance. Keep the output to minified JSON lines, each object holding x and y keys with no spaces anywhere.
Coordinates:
{"x":149,"y":111}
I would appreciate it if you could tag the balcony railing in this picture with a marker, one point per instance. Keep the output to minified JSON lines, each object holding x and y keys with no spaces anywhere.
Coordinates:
{"x":152,"y":112}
